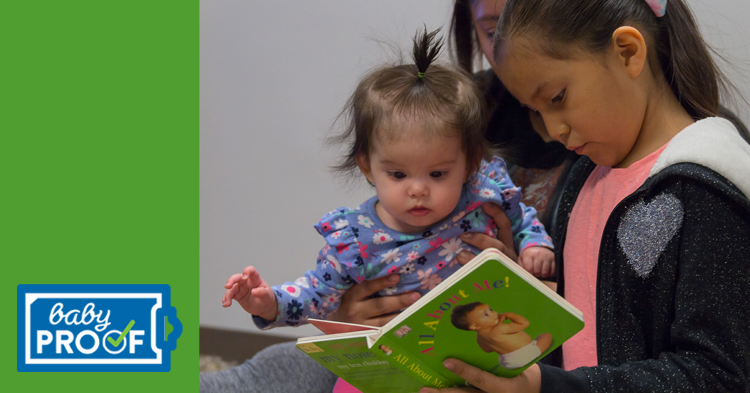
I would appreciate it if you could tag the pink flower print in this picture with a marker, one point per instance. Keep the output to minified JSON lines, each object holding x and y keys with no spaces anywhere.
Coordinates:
{"x":342,"y":247}
{"x":325,"y":227}
{"x":393,"y":269}
{"x":336,"y":234}
{"x":473,"y":206}
{"x":459,"y":216}
{"x":532,"y":244}
{"x":428,"y":281}
{"x":381,"y":238}
{"x":454,"y":262}
{"x":435,"y":244}
{"x":440,"y":265}
{"x":331,"y":300}
{"x":492,"y":174}
{"x":489,"y":231}
{"x":422,"y":274}
{"x":326,"y":249}
{"x":451,"y":248}
{"x":293,"y":290}
{"x":363,"y":250}
{"x":412,"y":256}
{"x":360,"y":278}
{"x":487,"y":193}
{"x":315,"y":282}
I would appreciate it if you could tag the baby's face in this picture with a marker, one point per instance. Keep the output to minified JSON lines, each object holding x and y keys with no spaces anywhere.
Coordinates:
{"x":482,"y":317}
{"x":418,"y":181}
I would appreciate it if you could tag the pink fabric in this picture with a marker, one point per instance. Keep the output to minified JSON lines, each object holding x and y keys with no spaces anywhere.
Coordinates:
{"x":344,"y":387}
{"x":603,"y":190}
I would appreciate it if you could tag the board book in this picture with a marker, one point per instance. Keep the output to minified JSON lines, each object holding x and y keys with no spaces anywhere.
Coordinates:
{"x":507,"y":320}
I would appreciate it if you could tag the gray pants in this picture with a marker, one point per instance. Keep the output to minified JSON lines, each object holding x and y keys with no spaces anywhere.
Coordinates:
{"x":279,"y":368}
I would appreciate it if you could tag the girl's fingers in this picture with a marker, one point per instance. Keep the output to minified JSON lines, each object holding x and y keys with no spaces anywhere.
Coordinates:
{"x":482,"y":380}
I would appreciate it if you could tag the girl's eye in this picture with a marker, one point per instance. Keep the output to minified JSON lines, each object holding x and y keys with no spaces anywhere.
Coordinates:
{"x":437,"y":174}
{"x":558,"y":98}
{"x":398,"y":175}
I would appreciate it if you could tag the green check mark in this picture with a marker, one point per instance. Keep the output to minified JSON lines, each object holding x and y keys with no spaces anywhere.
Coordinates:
{"x":122,"y":335}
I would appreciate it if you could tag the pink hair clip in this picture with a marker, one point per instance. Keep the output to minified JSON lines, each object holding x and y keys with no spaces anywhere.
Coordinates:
{"x":658,"y":6}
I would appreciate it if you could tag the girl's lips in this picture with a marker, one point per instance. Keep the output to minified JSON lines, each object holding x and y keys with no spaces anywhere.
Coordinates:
{"x":419,"y":211}
{"x":577,"y":149}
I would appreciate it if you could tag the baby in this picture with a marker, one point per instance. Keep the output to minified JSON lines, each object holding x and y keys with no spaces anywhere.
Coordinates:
{"x":508,"y":339}
{"x":416,"y":135}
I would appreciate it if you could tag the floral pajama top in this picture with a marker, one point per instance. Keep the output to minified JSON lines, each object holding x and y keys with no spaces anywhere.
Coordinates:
{"x":360,"y":247}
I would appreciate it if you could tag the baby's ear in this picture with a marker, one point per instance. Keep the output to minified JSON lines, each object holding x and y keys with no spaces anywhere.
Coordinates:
{"x":473,"y":327}
{"x":363,"y":162}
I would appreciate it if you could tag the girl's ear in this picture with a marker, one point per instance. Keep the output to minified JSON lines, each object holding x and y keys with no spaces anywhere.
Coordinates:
{"x":630,"y":49}
{"x":363,"y":162}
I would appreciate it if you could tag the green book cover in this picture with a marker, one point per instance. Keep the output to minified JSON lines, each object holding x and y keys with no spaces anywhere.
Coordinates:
{"x":491,"y":314}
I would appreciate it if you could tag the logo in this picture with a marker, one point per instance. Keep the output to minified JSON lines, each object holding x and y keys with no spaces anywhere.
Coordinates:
{"x":96,"y":328}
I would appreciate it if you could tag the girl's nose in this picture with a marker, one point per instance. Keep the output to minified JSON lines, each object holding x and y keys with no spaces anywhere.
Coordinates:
{"x":557,"y":129}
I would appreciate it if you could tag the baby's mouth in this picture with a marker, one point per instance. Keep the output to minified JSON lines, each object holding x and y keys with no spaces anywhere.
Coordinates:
{"x":419,"y":211}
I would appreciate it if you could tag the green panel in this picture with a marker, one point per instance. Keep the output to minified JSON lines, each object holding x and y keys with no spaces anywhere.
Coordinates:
{"x":99,"y":156}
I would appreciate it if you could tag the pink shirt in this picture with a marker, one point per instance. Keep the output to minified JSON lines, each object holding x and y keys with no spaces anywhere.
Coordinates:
{"x":603,"y":190}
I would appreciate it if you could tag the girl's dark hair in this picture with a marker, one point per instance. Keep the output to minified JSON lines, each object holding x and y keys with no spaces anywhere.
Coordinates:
{"x":464,"y":36}
{"x":443,"y":97}
{"x":680,"y":51}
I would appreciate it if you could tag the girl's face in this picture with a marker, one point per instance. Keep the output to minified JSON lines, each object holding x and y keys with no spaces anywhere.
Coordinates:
{"x":418,"y":180}
{"x":485,"y":14}
{"x":591,"y":105}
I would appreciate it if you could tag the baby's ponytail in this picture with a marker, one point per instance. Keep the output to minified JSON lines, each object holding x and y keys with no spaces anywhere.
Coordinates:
{"x":426,"y":50}
{"x":444,"y":100}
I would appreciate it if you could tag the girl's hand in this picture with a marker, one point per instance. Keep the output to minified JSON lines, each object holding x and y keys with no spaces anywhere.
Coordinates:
{"x":530,"y":381}
{"x":357,"y":306}
{"x":252,"y":293}
{"x":504,"y":241}
{"x":539,"y":261}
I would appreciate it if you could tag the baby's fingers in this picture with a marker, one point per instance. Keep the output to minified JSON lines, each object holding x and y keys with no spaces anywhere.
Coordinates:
{"x":233,"y":279}
{"x":226,"y":300}
{"x":252,"y":276}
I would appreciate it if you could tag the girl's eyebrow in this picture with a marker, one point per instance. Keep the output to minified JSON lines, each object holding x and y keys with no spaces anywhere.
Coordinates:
{"x":489,"y":18}
{"x":539,"y":90}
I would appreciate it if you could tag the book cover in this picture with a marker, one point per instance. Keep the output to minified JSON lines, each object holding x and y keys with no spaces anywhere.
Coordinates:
{"x":491,"y":314}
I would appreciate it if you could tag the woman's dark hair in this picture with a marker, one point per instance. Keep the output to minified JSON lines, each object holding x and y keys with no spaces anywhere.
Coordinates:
{"x":443,"y":97}
{"x":680,"y":51}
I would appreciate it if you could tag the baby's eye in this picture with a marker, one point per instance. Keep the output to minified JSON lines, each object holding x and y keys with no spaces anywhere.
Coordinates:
{"x":437,"y":174}
{"x":397,"y":175}
{"x":559,"y":97}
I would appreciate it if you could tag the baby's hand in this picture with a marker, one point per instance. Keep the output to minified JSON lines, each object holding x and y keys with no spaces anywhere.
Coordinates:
{"x":539,"y":261}
{"x":252,"y":293}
